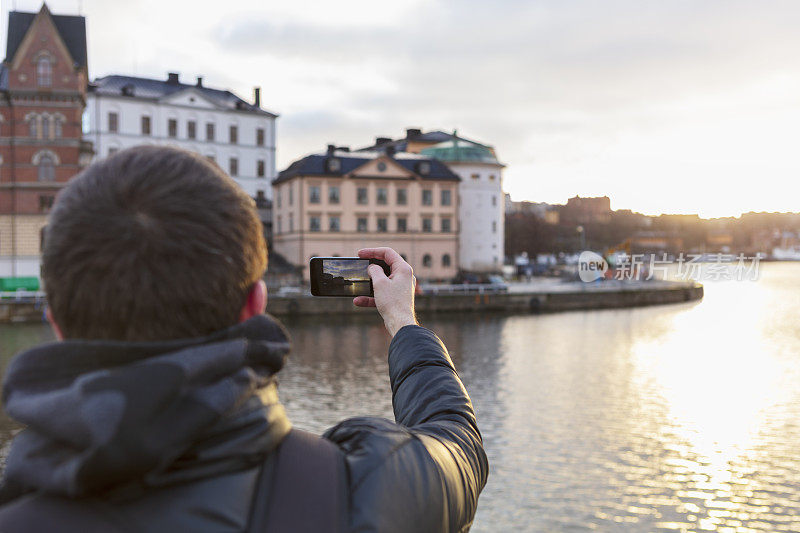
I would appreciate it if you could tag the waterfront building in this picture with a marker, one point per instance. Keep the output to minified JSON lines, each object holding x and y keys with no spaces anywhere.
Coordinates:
{"x":43,"y":87}
{"x":124,"y":111}
{"x":587,"y":210}
{"x":481,"y":211}
{"x":335,"y":202}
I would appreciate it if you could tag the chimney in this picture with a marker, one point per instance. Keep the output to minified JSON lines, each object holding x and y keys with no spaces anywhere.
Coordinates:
{"x":413,"y":132}
{"x":199,"y":81}
{"x":172,"y":78}
{"x":331,"y":149}
{"x":257,"y":96}
{"x":390,"y":150}
{"x":382,"y":140}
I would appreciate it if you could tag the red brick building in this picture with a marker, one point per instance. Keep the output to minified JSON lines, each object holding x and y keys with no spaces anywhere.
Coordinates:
{"x":43,"y":82}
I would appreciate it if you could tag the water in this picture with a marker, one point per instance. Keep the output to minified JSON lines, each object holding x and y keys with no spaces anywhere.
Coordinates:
{"x":671,"y":418}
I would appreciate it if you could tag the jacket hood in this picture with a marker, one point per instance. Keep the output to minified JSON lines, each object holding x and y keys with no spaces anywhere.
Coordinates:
{"x":106,"y":416}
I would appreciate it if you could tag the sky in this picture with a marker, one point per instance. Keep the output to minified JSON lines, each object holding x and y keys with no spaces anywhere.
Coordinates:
{"x":348,"y":269}
{"x":672,"y":106}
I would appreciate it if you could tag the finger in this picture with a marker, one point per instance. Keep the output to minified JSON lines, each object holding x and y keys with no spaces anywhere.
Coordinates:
{"x":384,"y":253}
{"x":376,"y":274}
{"x":364,"y":301}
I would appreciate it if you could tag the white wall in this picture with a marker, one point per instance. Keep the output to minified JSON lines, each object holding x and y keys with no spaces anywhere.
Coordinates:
{"x":130,"y":111}
{"x":481,"y":216}
{"x":25,"y":267}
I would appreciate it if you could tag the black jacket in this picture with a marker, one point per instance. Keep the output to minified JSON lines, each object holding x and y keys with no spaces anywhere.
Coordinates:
{"x":170,"y":436}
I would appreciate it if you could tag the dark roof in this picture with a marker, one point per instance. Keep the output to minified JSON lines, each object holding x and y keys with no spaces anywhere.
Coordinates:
{"x":71,"y":28}
{"x":154,"y":89}
{"x":314,"y":164}
{"x":401,"y":145}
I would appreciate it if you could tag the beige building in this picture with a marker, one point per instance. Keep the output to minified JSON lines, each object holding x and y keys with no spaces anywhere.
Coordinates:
{"x":334,"y":203}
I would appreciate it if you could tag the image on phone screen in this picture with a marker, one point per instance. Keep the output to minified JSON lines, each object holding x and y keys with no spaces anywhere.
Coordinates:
{"x":340,"y":277}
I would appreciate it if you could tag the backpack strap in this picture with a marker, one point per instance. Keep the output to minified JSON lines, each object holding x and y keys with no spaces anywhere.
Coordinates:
{"x":301,"y":487}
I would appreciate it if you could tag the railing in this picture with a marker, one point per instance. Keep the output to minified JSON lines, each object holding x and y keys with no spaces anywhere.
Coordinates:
{"x":467,"y":288}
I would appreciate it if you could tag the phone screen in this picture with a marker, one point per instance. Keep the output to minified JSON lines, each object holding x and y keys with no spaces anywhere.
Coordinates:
{"x":342,"y":276}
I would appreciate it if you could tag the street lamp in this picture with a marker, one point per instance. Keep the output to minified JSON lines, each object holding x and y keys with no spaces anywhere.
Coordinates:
{"x":582,"y":233}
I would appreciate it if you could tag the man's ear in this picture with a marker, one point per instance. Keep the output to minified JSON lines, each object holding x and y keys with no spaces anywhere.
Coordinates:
{"x":256,"y":301}
{"x":54,"y":325}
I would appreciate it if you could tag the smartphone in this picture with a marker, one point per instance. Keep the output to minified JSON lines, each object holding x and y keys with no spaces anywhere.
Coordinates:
{"x":343,"y":276}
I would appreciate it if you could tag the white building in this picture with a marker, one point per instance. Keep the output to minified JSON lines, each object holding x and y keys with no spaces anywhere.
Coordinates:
{"x":124,"y":111}
{"x":481,"y":209}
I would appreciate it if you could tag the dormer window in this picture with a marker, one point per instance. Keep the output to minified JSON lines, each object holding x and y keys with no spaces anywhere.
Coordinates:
{"x":333,"y":164}
{"x":424,"y":168}
{"x":44,"y":71}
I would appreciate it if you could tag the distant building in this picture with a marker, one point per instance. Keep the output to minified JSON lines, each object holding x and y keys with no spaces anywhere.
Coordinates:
{"x":43,"y":87}
{"x":123,"y":111}
{"x":481,"y":199}
{"x":335,"y":202}
{"x":586,"y":210}
{"x":547,"y":212}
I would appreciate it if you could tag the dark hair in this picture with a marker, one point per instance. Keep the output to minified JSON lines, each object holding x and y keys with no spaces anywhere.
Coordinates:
{"x":152,"y":243}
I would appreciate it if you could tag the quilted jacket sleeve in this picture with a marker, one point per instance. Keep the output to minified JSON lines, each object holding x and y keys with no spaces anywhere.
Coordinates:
{"x":424,"y":472}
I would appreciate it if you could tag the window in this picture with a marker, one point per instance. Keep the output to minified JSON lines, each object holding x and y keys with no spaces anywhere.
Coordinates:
{"x":476,"y":177}
{"x":494,"y":200}
{"x":402,"y":196}
{"x":494,"y":226}
{"x":427,"y":224}
{"x":33,"y":127}
{"x":382,"y":195}
{"x":172,"y":128}
{"x":280,"y":226}
{"x":46,"y":202}
{"x":234,"y":134}
{"x":402,"y":224}
{"x":45,"y":127}
{"x":47,"y":168}
{"x":260,"y":136}
{"x":191,"y":129}
{"x":427,"y":261}
{"x":313,"y":223}
{"x":361,"y":224}
{"x":446,"y":260}
{"x":334,"y":223}
{"x":260,"y":168}
{"x":491,"y":177}
{"x":361,"y":195}
{"x":58,"y":130}
{"x":446,"y":225}
{"x":44,"y":72}
{"x":447,"y":197}
{"x":278,"y":197}
{"x":233,"y":166}
{"x":210,"y":132}
{"x":383,"y":225}
{"x":333,"y":194}
{"x":113,"y":122}
{"x":313,"y":194}
{"x":291,"y":222}
{"x":291,"y":194}
{"x":427,"y":197}
{"x":146,"y":125}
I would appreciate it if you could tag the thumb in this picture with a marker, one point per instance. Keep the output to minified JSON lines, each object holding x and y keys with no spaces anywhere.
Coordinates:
{"x":375,"y":273}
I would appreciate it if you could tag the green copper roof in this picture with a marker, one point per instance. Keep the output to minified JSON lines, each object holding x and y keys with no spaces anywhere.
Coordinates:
{"x":460,"y":151}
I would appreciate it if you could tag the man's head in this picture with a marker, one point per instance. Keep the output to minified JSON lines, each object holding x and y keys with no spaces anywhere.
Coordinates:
{"x":152,"y":243}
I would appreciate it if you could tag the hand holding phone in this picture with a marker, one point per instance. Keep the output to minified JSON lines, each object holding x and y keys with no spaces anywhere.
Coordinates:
{"x":394,"y":292}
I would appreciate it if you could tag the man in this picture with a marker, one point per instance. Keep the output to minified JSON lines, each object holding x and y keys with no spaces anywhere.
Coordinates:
{"x":157,"y":410}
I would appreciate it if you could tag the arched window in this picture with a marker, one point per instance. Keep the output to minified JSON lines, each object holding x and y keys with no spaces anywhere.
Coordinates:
{"x":33,"y":126}
{"x":427,"y":261}
{"x":58,"y":127}
{"x":45,"y":127}
{"x":446,"y":260}
{"x":47,"y":168}
{"x":44,"y":72}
